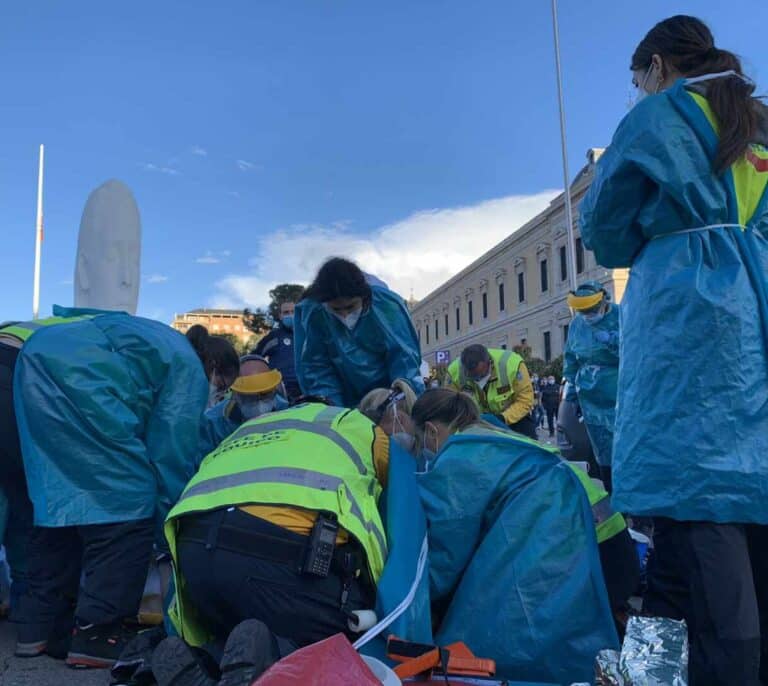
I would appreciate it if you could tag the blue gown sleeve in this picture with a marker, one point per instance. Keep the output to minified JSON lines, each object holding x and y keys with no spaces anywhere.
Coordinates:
{"x":314,"y":370}
{"x":620,"y":188}
{"x":172,"y":432}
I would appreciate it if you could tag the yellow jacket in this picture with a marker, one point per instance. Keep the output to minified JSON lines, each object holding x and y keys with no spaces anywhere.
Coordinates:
{"x":509,"y":391}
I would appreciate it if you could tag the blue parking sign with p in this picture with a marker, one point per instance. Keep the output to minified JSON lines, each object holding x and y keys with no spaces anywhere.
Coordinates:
{"x":442,"y":358}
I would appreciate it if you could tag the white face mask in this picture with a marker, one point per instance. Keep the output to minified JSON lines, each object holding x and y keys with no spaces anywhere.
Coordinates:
{"x":349,"y":320}
{"x":484,"y":381}
{"x":640,"y":92}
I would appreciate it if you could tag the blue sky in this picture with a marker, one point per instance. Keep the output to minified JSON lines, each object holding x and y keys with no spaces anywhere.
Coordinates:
{"x":259,"y":137}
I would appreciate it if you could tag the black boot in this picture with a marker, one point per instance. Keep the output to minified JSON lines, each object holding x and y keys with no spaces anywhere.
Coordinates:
{"x":250,"y":651}
{"x":175,"y":664}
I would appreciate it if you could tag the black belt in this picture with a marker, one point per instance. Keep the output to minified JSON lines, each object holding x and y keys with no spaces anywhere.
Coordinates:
{"x":285,"y":547}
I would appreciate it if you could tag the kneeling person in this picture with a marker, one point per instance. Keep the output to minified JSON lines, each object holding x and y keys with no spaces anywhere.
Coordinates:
{"x":498,"y":381}
{"x":281,"y":524}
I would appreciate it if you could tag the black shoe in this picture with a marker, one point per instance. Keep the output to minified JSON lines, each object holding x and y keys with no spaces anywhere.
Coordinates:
{"x":56,"y":645}
{"x":250,"y":651}
{"x":98,"y":646}
{"x":174,"y":664}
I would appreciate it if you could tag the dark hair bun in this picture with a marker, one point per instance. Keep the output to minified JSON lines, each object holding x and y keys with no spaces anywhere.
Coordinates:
{"x":198,"y":337}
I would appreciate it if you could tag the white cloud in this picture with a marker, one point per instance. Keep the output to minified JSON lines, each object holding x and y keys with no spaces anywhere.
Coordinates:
{"x":244,"y":165}
{"x":148,"y":166}
{"x":419,"y":252}
{"x":157,"y":278}
{"x":200,"y":152}
{"x":213,"y":257}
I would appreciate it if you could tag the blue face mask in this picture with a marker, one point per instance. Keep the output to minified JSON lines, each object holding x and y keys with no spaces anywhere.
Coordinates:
{"x":287,"y":321}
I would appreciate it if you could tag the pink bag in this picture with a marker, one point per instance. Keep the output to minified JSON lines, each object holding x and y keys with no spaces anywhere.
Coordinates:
{"x":332,"y":662}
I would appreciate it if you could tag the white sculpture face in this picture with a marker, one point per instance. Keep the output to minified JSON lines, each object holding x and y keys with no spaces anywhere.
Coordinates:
{"x":108,"y":250}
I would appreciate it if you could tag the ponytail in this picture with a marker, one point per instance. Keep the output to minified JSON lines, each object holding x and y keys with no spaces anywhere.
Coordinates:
{"x":215,"y":353}
{"x":687,"y":44}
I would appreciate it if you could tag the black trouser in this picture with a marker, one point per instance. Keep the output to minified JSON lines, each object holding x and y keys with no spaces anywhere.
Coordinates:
{"x":551,"y":419}
{"x":621,"y":571}
{"x":13,"y":484}
{"x":112,"y":560}
{"x":525,"y":426}
{"x":712,"y":575}
{"x":237,"y":567}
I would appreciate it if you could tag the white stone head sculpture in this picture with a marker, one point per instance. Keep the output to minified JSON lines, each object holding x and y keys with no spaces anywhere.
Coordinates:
{"x":109,"y":250}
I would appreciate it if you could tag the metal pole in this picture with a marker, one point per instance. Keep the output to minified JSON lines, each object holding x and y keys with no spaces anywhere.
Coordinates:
{"x":38,"y":237}
{"x":571,"y":249}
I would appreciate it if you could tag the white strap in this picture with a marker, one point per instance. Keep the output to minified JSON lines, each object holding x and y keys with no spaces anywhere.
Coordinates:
{"x":709,"y":227}
{"x":404,"y":604}
{"x":718,"y":75}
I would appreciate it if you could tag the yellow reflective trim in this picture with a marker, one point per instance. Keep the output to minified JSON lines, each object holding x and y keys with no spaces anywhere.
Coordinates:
{"x":748,"y":181}
{"x":584,"y":302}
{"x":702,"y":102}
{"x":750,"y":184}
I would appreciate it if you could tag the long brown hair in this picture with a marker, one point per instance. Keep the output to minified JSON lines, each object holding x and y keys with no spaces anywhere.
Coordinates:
{"x":445,"y":405}
{"x":687,"y":44}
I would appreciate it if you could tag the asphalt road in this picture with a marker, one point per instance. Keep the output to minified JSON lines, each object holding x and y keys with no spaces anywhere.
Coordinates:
{"x":40,"y":671}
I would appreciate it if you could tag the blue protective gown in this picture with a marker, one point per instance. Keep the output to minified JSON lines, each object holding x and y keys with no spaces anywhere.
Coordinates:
{"x":343,"y":365}
{"x":591,"y":365}
{"x":515,"y":556}
{"x":109,"y":411}
{"x":691,"y":434}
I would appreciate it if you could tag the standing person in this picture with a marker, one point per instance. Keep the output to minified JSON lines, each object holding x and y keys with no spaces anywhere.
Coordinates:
{"x":680,"y":197}
{"x":219,"y":359}
{"x":108,"y":408}
{"x":277,"y":347}
{"x":352,"y":336}
{"x":592,"y":367}
{"x":498,"y":380}
{"x":550,"y":399}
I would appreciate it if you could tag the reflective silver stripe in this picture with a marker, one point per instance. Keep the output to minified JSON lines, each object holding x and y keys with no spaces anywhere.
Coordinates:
{"x":286,"y":475}
{"x":303,"y":425}
{"x":328,"y":414}
{"x":602,"y":510}
{"x":271,"y":344}
{"x":503,"y":362}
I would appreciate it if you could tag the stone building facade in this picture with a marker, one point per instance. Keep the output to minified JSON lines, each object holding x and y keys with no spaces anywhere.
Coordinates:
{"x":517,"y":290}
{"x":216,"y":321}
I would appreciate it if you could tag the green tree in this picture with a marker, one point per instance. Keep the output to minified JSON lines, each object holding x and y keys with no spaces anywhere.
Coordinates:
{"x":283,"y":293}
{"x":257,"y":321}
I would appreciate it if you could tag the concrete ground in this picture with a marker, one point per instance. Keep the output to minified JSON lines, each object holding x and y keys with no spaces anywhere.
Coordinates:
{"x":40,"y":671}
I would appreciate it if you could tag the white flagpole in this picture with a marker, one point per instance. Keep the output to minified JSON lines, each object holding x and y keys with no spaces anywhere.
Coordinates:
{"x":568,"y":209}
{"x":38,"y":237}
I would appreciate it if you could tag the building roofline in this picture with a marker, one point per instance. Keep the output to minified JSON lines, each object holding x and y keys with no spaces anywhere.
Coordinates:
{"x":581,"y":182}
